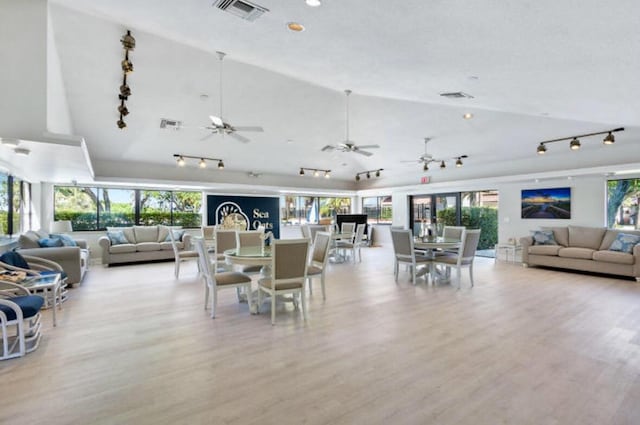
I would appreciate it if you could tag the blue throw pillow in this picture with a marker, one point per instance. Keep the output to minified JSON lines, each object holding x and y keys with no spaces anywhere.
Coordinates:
{"x":543,"y":237}
{"x":66,"y":239}
{"x":624,"y":242}
{"x":117,"y":237}
{"x":177,"y":235}
{"x":50,"y":242}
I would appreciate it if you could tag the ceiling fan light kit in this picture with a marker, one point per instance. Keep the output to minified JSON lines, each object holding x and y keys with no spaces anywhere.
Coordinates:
{"x":128,"y":43}
{"x":575,"y":144}
{"x":348,"y":145}
{"x":427,"y":158}
{"x":202,"y":160}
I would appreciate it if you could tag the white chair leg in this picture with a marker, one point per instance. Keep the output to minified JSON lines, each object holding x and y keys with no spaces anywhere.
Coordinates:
{"x":459,"y":277}
{"x":206,"y":295}
{"x":395,"y":269}
{"x":177,"y":268}
{"x":324,"y":294}
{"x":214,"y":302}
{"x":471,"y":274}
{"x":304,"y":307}
{"x":413,"y":273}
{"x":310,"y":282}
{"x":259,"y":299}
{"x":247,"y":289}
{"x":273,"y":308}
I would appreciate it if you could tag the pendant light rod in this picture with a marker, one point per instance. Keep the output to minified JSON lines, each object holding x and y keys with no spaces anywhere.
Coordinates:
{"x":347,"y":92}
{"x":221,"y":56}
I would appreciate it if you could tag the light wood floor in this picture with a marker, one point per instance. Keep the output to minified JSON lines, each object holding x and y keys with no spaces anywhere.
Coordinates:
{"x":525,"y":346}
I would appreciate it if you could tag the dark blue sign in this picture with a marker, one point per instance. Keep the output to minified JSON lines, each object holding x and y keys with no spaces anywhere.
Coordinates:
{"x":244,"y":212}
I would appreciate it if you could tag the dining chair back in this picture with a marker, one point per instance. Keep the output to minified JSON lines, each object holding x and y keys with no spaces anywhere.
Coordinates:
{"x":214,"y":281}
{"x":180,"y":255}
{"x":288,"y":273}
{"x":404,"y":252}
{"x":208,"y":232}
{"x":318,"y":264}
{"x":306,"y":231}
{"x":348,"y":227}
{"x":465,"y":255}
{"x":314,"y":229}
{"x":453,"y":232}
{"x":249,"y":238}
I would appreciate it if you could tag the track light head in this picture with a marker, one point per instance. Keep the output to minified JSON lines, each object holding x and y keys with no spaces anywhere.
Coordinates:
{"x":128,"y":42}
{"x":121,"y":124}
{"x":357,"y":177}
{"x":425,"y":167}
{"x":316,"y":173}
{"x":609,"y":139}
{"x":575,"y":144}
{"x":180,"y":161}
{"x":127,"y":66}
{"x":202,"y":163}
{"x":442,"y":164}
{"x":123,"y":109}
{"x":368,"y":175}
{"x":542,"y":149}
{"x":125,"y":91}
{"x":327,"y":174}
{"x":302,"y":172}
{"x":459,"y":162}
{"x":377,"y":173}
{"x":220,"y":165}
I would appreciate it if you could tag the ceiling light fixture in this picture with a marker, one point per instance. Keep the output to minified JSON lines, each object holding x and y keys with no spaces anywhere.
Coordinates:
{"x":121,"y":124}
{"x":123,"y":109}
{"x":459,"y":162}
{"x":316,"y":172}
{"x":368,"y":173}
{"x":426,"y":158}
{"x":425,"y":167}
{"x":467,"y":116}
{"x":128,"y":43}
{"x":22,"y":151}
{"x":202,"y":160}
{"x":295,"y":26}
{"x":574,"y":143}
{"x":314,"y":3}
{"x":443,"y":165}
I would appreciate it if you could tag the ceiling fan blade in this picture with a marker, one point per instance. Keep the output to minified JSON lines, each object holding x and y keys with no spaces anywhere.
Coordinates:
{"x":368,"y":146}
{"x":361,"y":152}
{"x":250,"y":128}
{"x":328,"y":148}
{"x":217,"y":121}
{"x":207,"y":136}
{"x":239,"y":137}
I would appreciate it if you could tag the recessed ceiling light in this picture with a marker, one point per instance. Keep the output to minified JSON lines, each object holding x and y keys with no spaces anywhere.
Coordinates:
{"x":467,"y":116}
{"x":289,"y":141}
{"x":313,"y":3}
{"x":204,"y":96}
{"x":295,"y":26}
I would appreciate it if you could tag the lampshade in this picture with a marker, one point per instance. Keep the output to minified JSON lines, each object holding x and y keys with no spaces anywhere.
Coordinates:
{"x":62,"y":226}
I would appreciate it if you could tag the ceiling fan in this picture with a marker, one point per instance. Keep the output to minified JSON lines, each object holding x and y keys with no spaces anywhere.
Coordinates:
{"x":427,"y":158}
{"x":218,"y":125}
{"x":348,"y":145}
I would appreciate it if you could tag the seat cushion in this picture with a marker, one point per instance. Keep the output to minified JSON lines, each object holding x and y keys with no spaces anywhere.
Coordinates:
{"x":166,"y":246}
{"x":13,"y":258}
{"x":313,"y":270}
{"x":29,"y":304}
{"x":122,"y":249}
{"x":231,"y":278}
{"x":251,"y":269}
{"x":268,"y":283}
{"x":147,"y":246}
{"x":613,"y":257}
{"x":29,"y":240}
{"x":544,"y":249}
{"x":584,"y":253}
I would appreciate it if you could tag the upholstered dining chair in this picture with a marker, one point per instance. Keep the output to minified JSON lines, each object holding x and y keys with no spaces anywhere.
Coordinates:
{"x":318,"y":264}
{"x":306,"y":231}
{"x":224,"y":240}
{"x":451,"y":232}
{"x":19,"y":309}
{"x":180,"y":254}
{"x":215,"y":281}
{"x":250,"y":238}
{"x":404,"y":252}
{"x":357,"y":243}
{"x":288,"y":273}
{"x":464,"y":257}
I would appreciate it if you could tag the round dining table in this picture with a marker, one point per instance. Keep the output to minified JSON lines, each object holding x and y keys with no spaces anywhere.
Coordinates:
{"x":430,"y":246}
{"x":251,"y":256}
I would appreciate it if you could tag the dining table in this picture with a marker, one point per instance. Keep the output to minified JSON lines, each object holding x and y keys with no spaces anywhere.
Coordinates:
{"x":431,"y":245}
{"x":336,"y":237}
{"x":251,"y":256}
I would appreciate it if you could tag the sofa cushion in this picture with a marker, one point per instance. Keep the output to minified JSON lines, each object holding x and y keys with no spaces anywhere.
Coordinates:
{"x":177,"y":235}
{"x":611,"y":235}
{"x":128,"y":233}
{"x":29,"y":240}
{"x":586,"y":237}
{"x":146,"y":233}
{"x":543,"y":237}
{"x":66,"y":239}
{"x":560,"y":234}
{"x":613,"y":257}
{"x":122,"y":249}
{"x":147,"y":246}
{"x":117,"y":237}
{"x":624,"y":242}
{"x":50,"y":242}
{"x":166,"y":246}
{"x":571,"y":252}
{"x":544,"y":249}
{"x":42,"y":233}
{"x":163,"y":233}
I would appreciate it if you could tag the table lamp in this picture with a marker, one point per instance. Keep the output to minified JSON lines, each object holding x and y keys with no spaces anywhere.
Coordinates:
{"x":62,"y":226}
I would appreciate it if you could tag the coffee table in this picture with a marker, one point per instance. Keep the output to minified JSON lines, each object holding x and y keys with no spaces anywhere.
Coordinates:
{"x":49,"y":284}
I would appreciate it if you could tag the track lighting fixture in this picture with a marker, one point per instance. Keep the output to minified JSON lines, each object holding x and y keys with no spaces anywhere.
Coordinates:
{"x":127,"y":65}
{"x":575,"y":144}
{"x":316,"y":172}
{"x":125,"y":90}
{"x":128,"y":43}
{"x":427,"y":158}
{"x":202,"y":163}
{"x":368,"y":173}
{"x":121,"y":124}
{"x":123,"y":109}
{"x":425,"y":167}
{"x":459,"y":162}
{"x":443,"y":165}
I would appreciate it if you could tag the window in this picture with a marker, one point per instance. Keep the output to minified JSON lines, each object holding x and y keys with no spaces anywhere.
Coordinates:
{"x":378,"y":209}
{"x":92,"y":208}
{"x":330,"y":207}
{"x":4,"y":204}
{"x":623,"y":197}
{"x":17,"y":205}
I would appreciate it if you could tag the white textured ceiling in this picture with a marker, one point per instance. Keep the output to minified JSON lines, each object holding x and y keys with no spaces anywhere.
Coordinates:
{"x":544,"y":69}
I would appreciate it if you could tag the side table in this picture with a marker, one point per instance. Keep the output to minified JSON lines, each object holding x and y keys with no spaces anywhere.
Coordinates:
{"x":509,"y":250}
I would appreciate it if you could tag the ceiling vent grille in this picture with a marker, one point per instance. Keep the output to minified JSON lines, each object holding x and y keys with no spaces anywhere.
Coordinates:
{"x":457,"y":95}
{"x":241,"y":8}
{"x":172,"y":124}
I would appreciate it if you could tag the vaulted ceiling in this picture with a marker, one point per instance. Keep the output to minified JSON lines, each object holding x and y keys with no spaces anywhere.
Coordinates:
{"x":537,"y":70}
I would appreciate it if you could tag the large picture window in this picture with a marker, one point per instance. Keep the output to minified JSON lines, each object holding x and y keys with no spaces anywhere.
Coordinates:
{"x":92,"y":208}
{"x":378,"y":209}
{"x":295,"y":210}
{"x":623,"y":197}
{"x":15,"y":205}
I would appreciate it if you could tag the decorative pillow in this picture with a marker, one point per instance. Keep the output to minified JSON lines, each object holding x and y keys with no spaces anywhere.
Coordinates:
{"x":117,"y":237}
{"x":50,"y":242}
{"x":177,"y":235}
{"x":543,"y":237}
{"x":624,"y":242}
{"x":66,"y":239}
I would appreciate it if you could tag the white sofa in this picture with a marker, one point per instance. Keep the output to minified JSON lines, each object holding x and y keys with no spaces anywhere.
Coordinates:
{"x":144,"y":243}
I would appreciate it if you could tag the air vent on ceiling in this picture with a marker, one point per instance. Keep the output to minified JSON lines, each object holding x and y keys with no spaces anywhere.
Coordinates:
{"x":241,"y":8}
{"x":456,"y":95}
{"x":173,"y":124}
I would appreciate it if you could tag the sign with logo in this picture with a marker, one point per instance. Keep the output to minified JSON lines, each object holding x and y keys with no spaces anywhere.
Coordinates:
{"x":244,"y":212}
